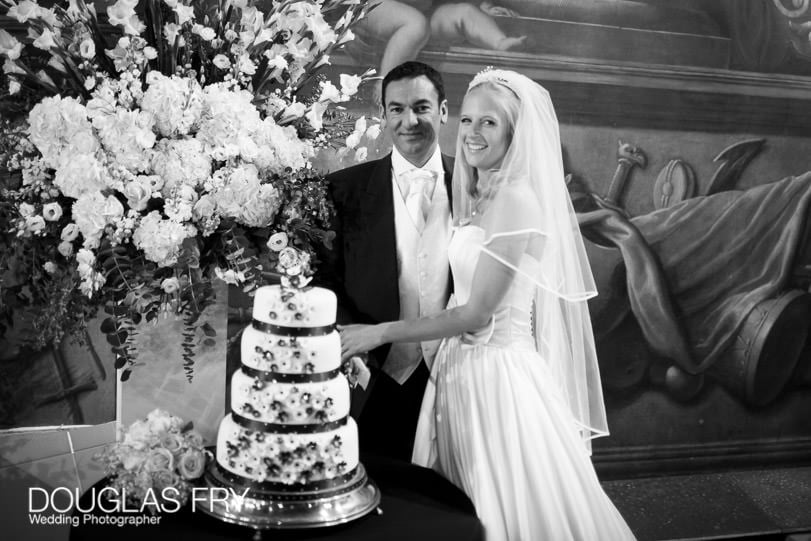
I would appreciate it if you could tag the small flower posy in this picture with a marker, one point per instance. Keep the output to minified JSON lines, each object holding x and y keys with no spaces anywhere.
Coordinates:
{"x":153,"y":456}
{"x":165,"y":153}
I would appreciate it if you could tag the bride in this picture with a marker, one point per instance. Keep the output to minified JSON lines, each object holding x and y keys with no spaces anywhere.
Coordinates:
{"x":514,"y":397}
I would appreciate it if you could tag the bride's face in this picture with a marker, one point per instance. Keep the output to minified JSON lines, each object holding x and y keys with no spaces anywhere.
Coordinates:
{"x":484,"y":129}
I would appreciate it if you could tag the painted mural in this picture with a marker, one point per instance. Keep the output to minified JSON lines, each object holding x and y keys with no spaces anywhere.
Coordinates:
{"x":694,"y":200}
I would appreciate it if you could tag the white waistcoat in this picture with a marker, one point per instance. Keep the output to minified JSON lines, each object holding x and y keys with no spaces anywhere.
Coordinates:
{"x":423,"y":276}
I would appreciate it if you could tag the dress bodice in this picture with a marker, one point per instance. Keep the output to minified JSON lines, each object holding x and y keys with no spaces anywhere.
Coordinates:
{"x":512,"y":323}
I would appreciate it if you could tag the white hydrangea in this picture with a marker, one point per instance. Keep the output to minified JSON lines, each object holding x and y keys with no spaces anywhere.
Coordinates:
{"x":92,"y":212}
{"x":180,"y":162}
{"x":280,"y":148}
{"x":59,"y":128}
{"x":244,"y":198}
{"x":127,"y":136}
{"x":81,"y":174}
{"x":176,"y":102}
{"x":229,"y":119}
{"x":161,"y":239}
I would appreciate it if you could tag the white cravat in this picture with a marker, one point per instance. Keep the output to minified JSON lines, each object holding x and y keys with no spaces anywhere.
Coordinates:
{"x":419,"y":185}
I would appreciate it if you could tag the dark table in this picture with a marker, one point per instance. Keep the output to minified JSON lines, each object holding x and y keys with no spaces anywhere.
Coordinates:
{"x":417,"y":504}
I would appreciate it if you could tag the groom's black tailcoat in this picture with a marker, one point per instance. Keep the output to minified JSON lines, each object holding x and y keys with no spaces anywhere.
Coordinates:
{"x":362,"y":270}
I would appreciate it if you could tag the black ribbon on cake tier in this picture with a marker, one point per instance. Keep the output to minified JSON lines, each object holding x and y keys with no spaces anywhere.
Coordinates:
{"x":297,"y":332}
{"x":313,"y":428}
{"x":279,"y":377}
{"x":296,"y":490}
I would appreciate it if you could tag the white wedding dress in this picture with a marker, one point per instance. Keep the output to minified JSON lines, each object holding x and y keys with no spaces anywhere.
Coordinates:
{"x":495,"y":425}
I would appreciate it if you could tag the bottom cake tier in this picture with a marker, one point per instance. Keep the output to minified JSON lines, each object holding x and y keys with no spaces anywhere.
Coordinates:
{"x":287,"y":458}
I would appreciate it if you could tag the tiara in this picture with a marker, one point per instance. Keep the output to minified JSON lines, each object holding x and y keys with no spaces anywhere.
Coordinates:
{"x":490,"y":74}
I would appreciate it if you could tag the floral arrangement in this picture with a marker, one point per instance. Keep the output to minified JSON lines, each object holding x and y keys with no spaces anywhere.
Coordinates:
{"x":154,"y":456}
{"x":170,"y":149}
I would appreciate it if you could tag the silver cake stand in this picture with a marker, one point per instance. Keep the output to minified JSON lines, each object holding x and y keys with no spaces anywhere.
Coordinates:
{"x":263,"y":509}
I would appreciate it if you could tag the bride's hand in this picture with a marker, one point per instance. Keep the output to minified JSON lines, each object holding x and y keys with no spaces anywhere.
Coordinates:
{"x":356,"y":339}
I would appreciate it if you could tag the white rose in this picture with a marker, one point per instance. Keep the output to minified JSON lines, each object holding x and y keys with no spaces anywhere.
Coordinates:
{"x":205,"y":33}
{"x":170,"y":285}
{"x":204,"y":208}
{"x":34,"y":224}
{"x":27,"y":209}
{"x":222,"y":62}
{"x":277,"y":241}
{"x":360,"y":154}
{"x":70,"y":232}
{"x":290,"y":261}
{"x":138,"y":193}
{"x":87,"y":48}
{"x":52,"y":212}
{"x":112,"y":210}
{"x":50,"y":267}
{"x":65,"y":248}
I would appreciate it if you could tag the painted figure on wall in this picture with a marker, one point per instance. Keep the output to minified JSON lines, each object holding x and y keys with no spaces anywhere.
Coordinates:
{"x":715,"y":282}
{"x":400,"y":29}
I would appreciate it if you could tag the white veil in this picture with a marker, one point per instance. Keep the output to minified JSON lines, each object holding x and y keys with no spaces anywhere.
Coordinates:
{"x":532,"y":171}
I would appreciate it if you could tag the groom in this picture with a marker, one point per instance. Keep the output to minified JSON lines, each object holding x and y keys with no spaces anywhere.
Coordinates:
{"x":390,"y":259}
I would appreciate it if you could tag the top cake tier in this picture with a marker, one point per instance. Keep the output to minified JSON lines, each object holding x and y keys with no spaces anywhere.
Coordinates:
{"x":308,"y":308}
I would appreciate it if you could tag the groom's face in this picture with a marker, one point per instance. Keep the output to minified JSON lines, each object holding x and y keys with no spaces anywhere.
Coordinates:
{"x":413,"y":115}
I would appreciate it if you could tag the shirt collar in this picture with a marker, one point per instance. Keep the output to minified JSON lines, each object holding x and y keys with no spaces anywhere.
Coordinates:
{"x":400,"y":165}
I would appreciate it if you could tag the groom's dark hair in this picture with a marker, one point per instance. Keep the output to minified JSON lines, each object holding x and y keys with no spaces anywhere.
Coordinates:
{"x":412,"y":70}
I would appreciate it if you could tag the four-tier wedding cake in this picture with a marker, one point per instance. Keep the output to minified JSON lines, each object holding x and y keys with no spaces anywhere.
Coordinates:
{"x":289,"y":420}
{"x":288,"y":448}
